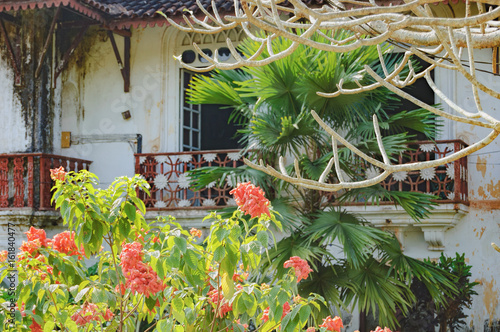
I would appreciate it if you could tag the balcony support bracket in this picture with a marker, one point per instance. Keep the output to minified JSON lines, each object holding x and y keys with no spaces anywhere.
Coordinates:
{"x":15,"y":57}
{"x":65,"y":59}
{"x":125,"y":64}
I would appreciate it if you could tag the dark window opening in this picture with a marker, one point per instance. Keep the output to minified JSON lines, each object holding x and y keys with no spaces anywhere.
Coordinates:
{"x":205,"y":127}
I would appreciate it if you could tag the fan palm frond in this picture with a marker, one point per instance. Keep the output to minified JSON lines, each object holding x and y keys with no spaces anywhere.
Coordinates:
{"x":356,"y":238}
{"x":417,"y":205}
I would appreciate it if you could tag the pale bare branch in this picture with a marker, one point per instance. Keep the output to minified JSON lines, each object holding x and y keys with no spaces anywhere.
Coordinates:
{"x":440,"y":41}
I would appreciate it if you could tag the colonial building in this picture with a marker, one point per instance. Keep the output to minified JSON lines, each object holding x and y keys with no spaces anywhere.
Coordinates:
{"x":93,"y":84}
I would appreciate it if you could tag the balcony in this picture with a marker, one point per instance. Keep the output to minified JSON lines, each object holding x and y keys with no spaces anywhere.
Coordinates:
{"x":25,"y":181}
{"x":448,"y":182}
{"x":170,"y":188}
{"x":166,"y":173}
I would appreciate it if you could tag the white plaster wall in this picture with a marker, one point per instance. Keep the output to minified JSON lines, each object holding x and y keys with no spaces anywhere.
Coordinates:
{"x":475,"y":232}
{"x":92,"y":100}
{"x":13,"y":131}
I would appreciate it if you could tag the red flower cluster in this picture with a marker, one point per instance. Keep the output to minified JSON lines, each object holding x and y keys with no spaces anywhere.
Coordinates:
{"x":286,"y":310}
{"x":38,"y":234}
{"x":195,"y":232}
{"x":35,"y":327}
{"x":3,"y":256}
{"x":36,"y":239}
{"x":90,"y":312}
{"x":139,"y":276}
{"x":332,"y":324}
{"x":131,"y":255}
{"x":65,"y":242}
{"x":300,"y":265}
{"x":58,"y":174}
{"x":251,"y":199}
{"x":379,"y":329}
{"x":215,"y":296}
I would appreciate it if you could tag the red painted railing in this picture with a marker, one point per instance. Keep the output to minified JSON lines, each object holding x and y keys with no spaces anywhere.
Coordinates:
{"x":166,"y":173}
{"x":448,"y":182}
{"x":25,"y":178}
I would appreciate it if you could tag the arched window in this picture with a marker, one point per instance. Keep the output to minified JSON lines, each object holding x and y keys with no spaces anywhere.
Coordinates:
{"x":205,"y":127}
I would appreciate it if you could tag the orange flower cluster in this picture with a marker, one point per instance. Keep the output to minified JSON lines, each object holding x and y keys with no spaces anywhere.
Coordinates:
{"x":36,"y":239}
{"x":90,"y":312}
{"x":251,"y":200}
{"x":58,"y":174}
{"x":195,"y":232}
{"x":286,"y":310}
{"x":35,"y":327}
{"x":379,"y":329}
{"x":3,"y":256}
{"x":139,"y":276}
{"x":300,"y":266}
{"x":332,"y":324}
{"x":65,"y":242}
{"x":215,"y":296}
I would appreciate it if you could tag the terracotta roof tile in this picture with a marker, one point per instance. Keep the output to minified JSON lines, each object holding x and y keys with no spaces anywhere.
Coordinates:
{"x":148,"y":8}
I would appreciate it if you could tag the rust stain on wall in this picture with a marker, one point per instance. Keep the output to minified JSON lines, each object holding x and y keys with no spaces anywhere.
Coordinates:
{"x":493,"y":189}
{"x":481,"y":165}
{"x":490,"y":297}
{"x":491,"y":204}
{"x":480,"y":233}
{"x":481,"y":192}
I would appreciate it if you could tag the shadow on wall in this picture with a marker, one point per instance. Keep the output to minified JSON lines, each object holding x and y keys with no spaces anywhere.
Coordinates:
{"x":494,"y":326}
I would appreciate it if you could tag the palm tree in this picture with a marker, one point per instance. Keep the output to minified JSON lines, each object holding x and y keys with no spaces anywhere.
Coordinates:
{"x":354,"y":263}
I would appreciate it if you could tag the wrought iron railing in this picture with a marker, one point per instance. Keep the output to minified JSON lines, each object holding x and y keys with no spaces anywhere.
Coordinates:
{"x":25,"y":178}
{"x":170,"y":184}
{"x":448,"y":182}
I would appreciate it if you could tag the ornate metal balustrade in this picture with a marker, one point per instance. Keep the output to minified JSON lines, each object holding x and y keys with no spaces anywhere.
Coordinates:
{"x":166,"y":174}
{"x":25,"y":178}
{"x":448,"y":182}
{"x":170,"y":185}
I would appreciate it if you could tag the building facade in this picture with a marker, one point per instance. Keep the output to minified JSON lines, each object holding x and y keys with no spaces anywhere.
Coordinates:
{"x":94,"y":85}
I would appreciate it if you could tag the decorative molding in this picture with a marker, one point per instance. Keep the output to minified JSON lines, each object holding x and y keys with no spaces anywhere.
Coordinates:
{"x":396,"y":220}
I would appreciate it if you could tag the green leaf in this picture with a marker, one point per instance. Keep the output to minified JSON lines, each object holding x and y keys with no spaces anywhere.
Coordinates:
{"x":181,"y":243}
{"x":124,"y":227}
{"x":304,"y":313}
{"x":191,"y":259}
{"x":49,"y":326}
{"x":263,"y":238}
{"x":219,"y":253}
{"x":177,"y":304}
{"x":130,"y":211}
{"x":81,"y":294}
{"x":150,"y":302}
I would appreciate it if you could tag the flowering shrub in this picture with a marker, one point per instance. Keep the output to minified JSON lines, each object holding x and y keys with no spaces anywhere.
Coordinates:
{"x":251,"y":200}
{"x":161,"y":276}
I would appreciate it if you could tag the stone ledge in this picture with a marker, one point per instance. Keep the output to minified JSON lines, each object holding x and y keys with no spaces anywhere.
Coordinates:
{"x":395,"y":219}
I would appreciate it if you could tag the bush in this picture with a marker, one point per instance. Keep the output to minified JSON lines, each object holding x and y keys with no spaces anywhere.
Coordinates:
{"x":157,"y":274}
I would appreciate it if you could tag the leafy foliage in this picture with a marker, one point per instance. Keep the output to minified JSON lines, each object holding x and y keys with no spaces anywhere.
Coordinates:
{"x":273,"y":104}
{"x":198,"y":287}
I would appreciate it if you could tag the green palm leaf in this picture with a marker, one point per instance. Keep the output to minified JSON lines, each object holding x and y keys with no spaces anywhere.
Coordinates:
{"x":356,"y":238}
{"x":417,"y":205}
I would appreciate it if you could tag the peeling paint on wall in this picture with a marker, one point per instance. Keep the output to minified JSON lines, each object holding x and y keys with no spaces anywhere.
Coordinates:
{"x":490,"y":297}
{"x":481,"y":165}
{"x":493,"y":189}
